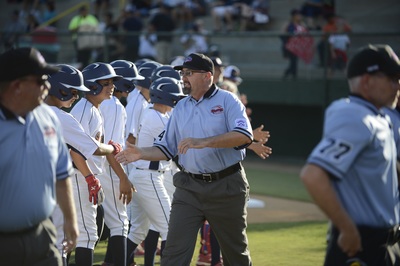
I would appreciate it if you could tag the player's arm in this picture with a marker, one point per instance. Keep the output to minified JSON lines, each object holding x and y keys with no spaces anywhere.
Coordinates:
{"x":133,"y":153}
{"x":125,"y":186}
{"x":66,"y":202}
{"x":318,"y":184}
{"x":96,"y":194}
{"x":104,"y":149}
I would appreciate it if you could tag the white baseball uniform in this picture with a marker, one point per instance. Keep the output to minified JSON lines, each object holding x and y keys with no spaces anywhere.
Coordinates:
{"x":151,"y":203}
{"x":77,"y":139}
{"x":115,"y":215}
{"x":92,"y":123}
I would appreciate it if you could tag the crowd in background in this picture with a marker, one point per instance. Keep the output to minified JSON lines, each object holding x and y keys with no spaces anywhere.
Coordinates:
{"x":158,"y":21}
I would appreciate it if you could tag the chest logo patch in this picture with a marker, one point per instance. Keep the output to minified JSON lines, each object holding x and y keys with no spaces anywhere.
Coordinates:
{"x":217,"y":110}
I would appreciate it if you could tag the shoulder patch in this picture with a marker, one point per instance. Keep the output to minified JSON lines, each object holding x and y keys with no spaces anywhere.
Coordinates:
{"x":241,"y":123}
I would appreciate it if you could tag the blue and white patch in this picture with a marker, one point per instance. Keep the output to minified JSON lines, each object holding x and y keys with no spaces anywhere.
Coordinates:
{"x":241,"y":123}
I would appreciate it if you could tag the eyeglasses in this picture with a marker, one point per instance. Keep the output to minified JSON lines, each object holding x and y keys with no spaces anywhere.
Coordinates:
{"x":188,"y":73}
{"x":41,"y":81}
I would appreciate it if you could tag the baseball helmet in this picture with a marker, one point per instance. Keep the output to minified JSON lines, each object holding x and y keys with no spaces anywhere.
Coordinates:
{"x":165,"y":71}
{"x":129,"y":73}
{"x":145,"y":70}
{"x":167,"y":91}
{"x":98,"y":71}
{"x":138,"y":63}
{"x":233,"y":73}
{"x":65,"y":80}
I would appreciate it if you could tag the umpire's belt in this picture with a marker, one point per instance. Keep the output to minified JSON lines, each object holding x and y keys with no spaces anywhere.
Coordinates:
{"x":210,"y":177}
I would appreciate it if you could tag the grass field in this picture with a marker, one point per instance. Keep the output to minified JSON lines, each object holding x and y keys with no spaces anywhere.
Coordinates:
{"x":286,"y":243}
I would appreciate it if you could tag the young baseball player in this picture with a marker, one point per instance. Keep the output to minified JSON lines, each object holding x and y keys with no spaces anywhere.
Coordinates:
{"x":99,"y":79}
{"x":114,"y":115}
{"x":151,"y":204}
{"x":65,"y":85}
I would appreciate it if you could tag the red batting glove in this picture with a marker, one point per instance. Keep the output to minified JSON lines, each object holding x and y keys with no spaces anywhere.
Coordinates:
{"x":117,"y":147}
{"x":94,"y":187}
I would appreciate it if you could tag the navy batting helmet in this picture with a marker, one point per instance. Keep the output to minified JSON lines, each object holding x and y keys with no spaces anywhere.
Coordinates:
{"x":98,"y":71}
{"x":129,"y":73}
{"x":167,"y":91}
{"x":165,"y":71}
{"x":65,"y":80}
{"x":145,"y":70}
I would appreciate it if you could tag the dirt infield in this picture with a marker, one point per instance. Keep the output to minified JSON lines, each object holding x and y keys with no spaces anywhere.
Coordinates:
{"x":281,"y":210}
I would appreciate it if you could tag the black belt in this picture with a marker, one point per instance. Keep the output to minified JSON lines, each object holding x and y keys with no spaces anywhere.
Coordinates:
{"x":210,"y":177}
{"x":20,"y":232}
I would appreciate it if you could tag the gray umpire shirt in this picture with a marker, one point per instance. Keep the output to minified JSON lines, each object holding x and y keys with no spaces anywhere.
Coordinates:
{"x":358,"y":150}
{"x":216,"y":113}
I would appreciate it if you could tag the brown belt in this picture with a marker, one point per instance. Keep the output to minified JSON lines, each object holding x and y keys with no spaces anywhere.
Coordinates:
{"x":210,"y":177}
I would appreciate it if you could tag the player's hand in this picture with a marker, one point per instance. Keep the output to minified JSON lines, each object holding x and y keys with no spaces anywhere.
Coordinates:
{"x":130,"y":154}
{"x":260,"y":135}
{"x":117,"y":147}
{"x":94,"y":188}
{"x":126,"y":189}
{"x":260,"y":149}
{"x":350,"y":241}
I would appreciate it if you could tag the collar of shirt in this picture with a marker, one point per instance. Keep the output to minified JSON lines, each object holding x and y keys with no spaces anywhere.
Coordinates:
{"x":6,"y":114}
{"x":210,"y":93}
{"x":360,"y":100}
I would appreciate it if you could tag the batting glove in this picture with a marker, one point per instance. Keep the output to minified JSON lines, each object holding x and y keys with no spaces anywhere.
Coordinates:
{"x":94,"y":188}
{"x":117,"y":147}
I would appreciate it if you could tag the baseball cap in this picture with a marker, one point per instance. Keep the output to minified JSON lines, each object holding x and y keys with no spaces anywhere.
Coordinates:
{"x":21,"y":62}
{"x":374,"y":58}
{"x":197,"y":61}
{"x":233,"y":73}
{"x":217,"y":62}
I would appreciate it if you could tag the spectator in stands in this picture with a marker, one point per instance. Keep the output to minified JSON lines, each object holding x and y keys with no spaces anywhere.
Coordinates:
{"x":312,"y":10}
{"x":186,"y":12}
{"x":101,"y":7}
{"x":254,"y":14}
{"x":329,"y":28}
{"x":339,"y":43}
{"x":163,"y":25}
{"x":132,"y":25}
{"x":114,"y":46}
{"x":195,"y":41}
{"x":12,"y":31}
{"x":295,"y":26}
{"x":147,"y":47}
{"x":83,"y":23}
{"x":223,"y":12}
{"x":49,"y":12}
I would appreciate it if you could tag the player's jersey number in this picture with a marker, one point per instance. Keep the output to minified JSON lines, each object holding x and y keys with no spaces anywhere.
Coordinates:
{"x":334,"y":148}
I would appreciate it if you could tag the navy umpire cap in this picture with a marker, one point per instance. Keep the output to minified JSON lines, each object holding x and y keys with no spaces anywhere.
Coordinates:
{"x":374,"y":58}
{"x":21,"y":62}
{"x":197,"y":61}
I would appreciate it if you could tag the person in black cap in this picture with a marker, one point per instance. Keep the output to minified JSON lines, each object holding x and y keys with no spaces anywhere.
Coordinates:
{"x":210,"y":131}
{"x":37,"y":168}
{"x":351,"y":174}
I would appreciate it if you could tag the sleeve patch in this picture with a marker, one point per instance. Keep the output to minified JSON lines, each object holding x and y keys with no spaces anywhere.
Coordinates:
{"x":241,"y":123}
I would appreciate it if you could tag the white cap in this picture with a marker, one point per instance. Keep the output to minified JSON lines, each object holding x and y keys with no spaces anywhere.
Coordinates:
{"x":233,"y":73}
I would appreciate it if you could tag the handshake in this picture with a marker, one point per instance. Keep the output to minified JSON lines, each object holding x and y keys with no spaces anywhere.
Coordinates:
{"x":117,"y":147}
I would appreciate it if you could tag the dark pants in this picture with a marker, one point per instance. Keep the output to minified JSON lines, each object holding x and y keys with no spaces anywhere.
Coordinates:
{"x":374,"y":249}
{"x":291,"y":70}
{"x":31,"y":247}
{"x":223,"y":203}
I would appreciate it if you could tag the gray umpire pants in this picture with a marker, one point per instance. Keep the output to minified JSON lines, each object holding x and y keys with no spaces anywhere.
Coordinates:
{"x":223,"y":203}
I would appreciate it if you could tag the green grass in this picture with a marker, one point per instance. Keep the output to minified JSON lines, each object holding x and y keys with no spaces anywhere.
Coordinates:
{"x":289,"y":243}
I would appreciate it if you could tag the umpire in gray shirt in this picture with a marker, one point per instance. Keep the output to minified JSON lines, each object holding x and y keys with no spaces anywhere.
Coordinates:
{"x":209,"y":131}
